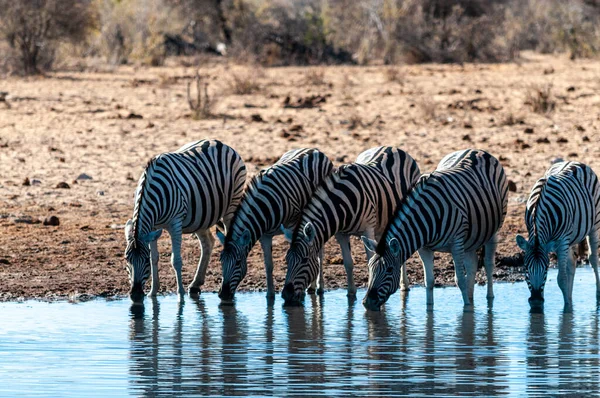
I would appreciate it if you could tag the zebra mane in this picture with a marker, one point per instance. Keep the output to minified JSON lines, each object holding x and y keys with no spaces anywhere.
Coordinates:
{"x":533,"y":210}
{"x":381,"y":245}
{"x":138,"y":200}
{"x":250,"y":186}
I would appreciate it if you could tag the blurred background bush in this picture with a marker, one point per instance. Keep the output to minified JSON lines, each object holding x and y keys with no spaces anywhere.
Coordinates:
{"x":39,"y":35}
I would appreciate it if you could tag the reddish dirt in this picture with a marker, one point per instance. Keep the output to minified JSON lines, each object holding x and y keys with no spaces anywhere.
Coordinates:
{"x":69,"y":123}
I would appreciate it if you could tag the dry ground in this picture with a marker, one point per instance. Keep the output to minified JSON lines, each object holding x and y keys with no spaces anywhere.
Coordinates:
{"x":107,"y":125}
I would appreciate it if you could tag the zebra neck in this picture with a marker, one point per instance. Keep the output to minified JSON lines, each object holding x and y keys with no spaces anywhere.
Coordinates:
{"x":412,"y":232}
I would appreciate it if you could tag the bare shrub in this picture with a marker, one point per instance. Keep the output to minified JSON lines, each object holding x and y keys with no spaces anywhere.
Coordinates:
{"x":540,"y":99}
{"x":394,"y":74}
{"x":243,"y":84}
{"x":135,"y":30}
{"x":35,"y":28}
{"x":315,"y":77}
{"x":428,"y":109}
{"x":202,"y":107}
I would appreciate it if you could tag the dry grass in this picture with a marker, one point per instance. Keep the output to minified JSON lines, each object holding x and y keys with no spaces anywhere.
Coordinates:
{"x":243,"y":84}
{"x":315,"y":77}
{"x":428,"y":109}
{"x":394,"y":74}
{"x":540,"y":99}
{"x":202,"y":107}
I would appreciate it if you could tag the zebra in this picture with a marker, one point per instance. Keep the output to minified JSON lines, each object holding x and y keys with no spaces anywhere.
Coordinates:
{"x":358,"y":198}
{"x":273,"y":198}
{"x":458,"y":208}
{"x":185,"y":192}
{"x":563,"y":209}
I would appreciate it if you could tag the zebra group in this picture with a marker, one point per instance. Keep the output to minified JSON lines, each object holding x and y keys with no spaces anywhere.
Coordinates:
{"x":381,"y":197}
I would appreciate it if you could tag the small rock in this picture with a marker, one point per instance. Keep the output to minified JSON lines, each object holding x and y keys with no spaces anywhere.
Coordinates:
{"x":149,"y":125}
{"x":83,"y":176}
{"x":579,"y":128}
{"x":573,"y":155}
{"x":512,"y":187}
{"x":129,"y":177}
{"x":571,"y":88}
{"x":63,"y":185}
{"x":61,"y":159}
{"x":256,"y":117}
{"x":478,"y":91}
{"x":467,"y":125}
{"x":26,"y":220}
{"x":284,"y":134}
{"x":466,"y":137}
{"x":36,"y":182}
{"x":134,"y":116}
{"x":525,"y":146}
{"x":51,"y":221}
{"x":549,"y":71}
{"x":562,"y":140}
{"x":297,"y":127}
{"x":585,"y":138}
{"x":528,"y":130}
{"x":26,"y":182}
{"x":100,"y":193}
{"x":4,"y":261}
{"x":543,"y":140}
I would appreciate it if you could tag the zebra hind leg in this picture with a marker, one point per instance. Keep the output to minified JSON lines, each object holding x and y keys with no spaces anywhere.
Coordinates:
{"x":344,"y":241}
{"x":489,"y":258}
{"x":207,"y":242}
{"x":460,"y":272}
{"x":593,"y":258}
{"x":176,"y":262}
{"x":427,"y":257}
{"x":266,"y":242}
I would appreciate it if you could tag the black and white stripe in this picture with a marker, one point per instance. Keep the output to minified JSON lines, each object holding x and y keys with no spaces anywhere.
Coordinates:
{"x":458,"y":209}
{"x":356,"y":199}
{"x":184,"y":192}
{"x":272,"y":199}
{"x":563,"y":209}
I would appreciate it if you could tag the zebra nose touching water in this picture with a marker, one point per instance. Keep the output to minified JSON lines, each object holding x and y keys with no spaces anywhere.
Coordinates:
{"x":563,"y":209}
{"x":357,"y":199}
{"x":458,"y":209}
{"x":273,"y":198}
{"x":185,"y":192}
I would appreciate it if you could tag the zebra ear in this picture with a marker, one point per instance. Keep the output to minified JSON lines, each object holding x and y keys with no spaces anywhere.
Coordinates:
{"x":309,"y":232}
{"x":394,"y":246}
{"x":287,"y":233}
{"x":152,"y":236}
{"x":245,"y":238}
{"x":522,"y":242}
{"x":128,"y":229}
{"x":221,"y":237}
{"x":370,"y":244}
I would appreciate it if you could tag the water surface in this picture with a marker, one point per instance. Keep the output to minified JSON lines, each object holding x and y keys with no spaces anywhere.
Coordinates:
{"x":329,"y":347}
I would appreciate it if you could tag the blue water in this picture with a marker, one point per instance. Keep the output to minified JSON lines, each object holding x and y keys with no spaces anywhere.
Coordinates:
{"x":329,"y":347}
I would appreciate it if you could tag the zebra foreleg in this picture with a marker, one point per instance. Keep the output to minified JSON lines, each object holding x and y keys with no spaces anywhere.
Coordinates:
{"x":460,"y":271}
{"x":593,"y":258}
{"x":321,"y":282}
{"x":176,"y":262}
{"x":207,"y":242}
{"x":266,"y":242}
{"x":563,"y":253}
{"x":489,"y":259}
{"x":344,"y":242}
{"x":471,"y":261}
{"x":427,"y":257}
{"x":154,"y":256}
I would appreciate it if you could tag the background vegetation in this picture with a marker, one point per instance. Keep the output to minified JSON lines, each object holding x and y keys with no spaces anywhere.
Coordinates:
{"x":37,"y":35}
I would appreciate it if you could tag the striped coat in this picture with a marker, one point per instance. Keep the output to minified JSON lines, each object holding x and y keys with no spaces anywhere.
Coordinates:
{"x":563,"y":209}
{"x":458,"y":209}
{"x":357,"y":199}
{"x":186,"y":191}
{"x":274,"y":198}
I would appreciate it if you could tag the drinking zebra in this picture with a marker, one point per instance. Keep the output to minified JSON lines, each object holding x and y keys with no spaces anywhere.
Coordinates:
{"x":273,"y":198}
{"x":563,"y":208}
{"x":185,"y":192}
{"x":358,"y":198}
{"x":458,"y":208}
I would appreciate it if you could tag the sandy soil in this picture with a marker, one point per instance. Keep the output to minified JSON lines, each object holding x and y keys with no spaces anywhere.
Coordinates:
{"x":107,"y":125}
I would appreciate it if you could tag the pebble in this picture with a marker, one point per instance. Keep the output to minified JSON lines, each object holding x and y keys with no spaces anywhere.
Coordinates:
{"x":83,"y":176}
{"x":52,"y":221}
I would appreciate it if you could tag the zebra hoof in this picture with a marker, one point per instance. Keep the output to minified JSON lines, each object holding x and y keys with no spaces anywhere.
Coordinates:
{"x":194,"y":291}
{"x":310,"y":290}
{"x":320,"y":291}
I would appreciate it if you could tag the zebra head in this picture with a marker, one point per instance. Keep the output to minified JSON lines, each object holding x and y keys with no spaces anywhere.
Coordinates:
{"x":233,"y":263}
{"x":302,"y":261}
{"x":137,"y":256}
{"x":384,"y":273}
{"x":536,"y":261}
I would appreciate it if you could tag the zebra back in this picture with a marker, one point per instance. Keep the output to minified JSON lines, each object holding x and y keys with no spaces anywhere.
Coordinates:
{"x":200,"y":184}
{"x":565,"y":203}
{"x":356,"y":193}
{"x":277,"y":195}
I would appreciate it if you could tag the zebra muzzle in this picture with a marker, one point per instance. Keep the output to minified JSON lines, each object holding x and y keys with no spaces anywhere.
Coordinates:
{"x":136,"y":294}
{"x":225,"y":292}
{"x":372,"y":301}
